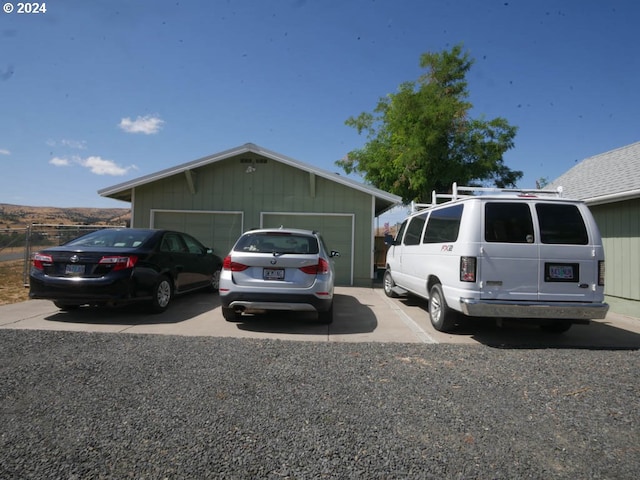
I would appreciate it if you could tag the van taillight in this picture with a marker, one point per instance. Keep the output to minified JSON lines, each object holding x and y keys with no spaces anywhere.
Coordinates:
{"x":468,"y":269}
{"x":601,"y":273}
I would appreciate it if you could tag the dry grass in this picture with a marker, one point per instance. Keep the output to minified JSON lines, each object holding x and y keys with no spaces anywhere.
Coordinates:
{"x":12,"y":289}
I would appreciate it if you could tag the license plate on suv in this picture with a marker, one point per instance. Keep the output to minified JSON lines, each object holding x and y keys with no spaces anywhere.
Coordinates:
{"x":273,"y":273}
{"x":561,"y":272}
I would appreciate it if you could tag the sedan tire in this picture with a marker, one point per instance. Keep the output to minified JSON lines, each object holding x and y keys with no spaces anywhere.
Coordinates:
{"x":162,"y":293}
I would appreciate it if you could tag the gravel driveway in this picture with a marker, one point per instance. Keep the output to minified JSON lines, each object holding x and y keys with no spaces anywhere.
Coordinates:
{"x":99,"y":405}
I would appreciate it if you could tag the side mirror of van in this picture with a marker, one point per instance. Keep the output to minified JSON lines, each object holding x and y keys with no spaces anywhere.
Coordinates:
{"x":388,"y":239}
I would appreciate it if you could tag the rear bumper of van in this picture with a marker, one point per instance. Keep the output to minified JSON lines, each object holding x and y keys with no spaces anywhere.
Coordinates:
{"x":550,"y":310}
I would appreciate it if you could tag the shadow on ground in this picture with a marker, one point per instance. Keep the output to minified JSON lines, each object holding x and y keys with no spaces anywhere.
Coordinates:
{"x":598,"y":335}
{"x":349,"y":317}
{"x":180,"y":309}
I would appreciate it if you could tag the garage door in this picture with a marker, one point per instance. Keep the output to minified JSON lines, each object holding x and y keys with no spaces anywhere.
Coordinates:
{"x":337,"y":231}
{"x":217,"y":230}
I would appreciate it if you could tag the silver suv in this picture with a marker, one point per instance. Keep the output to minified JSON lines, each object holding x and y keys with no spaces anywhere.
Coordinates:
{"x":278,"y":269}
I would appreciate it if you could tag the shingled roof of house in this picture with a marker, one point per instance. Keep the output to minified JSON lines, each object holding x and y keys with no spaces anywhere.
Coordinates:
{"x":608,"y":177}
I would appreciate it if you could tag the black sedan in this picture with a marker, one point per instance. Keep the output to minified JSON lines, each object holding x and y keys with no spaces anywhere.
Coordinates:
{"x":122,"y":265}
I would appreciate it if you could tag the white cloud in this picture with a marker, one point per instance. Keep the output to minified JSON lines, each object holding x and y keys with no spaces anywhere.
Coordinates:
{"x":60,"y":162}
{"x":101,"y":166}
{"x":4,"y":152}
{"x":149,"y":124}
{"x":96,"y":164}
{"x":78,"y":144}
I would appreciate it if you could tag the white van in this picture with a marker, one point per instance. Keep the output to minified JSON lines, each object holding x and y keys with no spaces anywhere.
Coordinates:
{"x":501,"y":253}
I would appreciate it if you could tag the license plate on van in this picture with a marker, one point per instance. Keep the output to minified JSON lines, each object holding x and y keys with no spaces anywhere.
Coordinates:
{"x":561,"y":272}
{"x":273,"y":273}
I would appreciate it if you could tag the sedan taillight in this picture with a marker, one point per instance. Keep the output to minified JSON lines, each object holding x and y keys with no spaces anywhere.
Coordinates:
{"x":228,"y":264}
{"x":321,"y":267}
{"x":118,"y":262}
{"x":40,"y":260}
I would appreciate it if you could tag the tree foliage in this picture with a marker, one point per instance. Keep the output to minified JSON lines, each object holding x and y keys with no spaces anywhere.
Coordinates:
{"x":421,"y":138}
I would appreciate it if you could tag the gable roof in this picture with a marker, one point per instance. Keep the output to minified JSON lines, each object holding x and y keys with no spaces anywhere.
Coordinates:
{"x":608,"y":177}
{"x":123,"y":191}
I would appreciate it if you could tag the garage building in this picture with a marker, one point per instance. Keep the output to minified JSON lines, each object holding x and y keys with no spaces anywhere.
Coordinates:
{"x":218,"y":197}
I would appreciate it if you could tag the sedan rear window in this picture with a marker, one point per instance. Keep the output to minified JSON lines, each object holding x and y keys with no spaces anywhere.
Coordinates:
{"x":277,"y":242}
{"x":111,"y":238}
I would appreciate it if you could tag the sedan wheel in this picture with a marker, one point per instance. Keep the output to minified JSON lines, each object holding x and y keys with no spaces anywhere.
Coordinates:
{"x":161,"y":295}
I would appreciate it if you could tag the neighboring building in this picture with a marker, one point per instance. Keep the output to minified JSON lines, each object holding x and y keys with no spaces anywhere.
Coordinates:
{"x":218,"y":197}
{"x":609,"y":184}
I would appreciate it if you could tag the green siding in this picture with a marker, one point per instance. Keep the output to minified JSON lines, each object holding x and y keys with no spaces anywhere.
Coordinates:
{"x":619,"y":225}
{"x":272,"y":187}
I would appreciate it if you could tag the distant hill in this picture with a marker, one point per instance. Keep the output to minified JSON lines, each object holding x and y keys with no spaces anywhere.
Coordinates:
{"x":12,"y":216}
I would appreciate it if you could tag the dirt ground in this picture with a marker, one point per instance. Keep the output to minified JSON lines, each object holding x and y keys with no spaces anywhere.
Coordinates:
{"x":12,"y":289}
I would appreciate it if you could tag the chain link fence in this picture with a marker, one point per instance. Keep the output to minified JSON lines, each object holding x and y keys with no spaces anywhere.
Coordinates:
{"x":21,"y":243}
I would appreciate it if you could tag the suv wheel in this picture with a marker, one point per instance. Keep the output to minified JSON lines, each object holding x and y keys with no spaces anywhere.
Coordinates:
{"x":326,"y":316}
{"x":230,"y":314}
{"x":443,"y":318}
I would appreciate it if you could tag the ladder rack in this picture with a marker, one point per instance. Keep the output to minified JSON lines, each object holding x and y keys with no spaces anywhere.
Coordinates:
{"x":522,"y":192}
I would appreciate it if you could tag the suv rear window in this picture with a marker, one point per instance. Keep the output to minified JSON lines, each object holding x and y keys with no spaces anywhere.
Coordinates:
{"x":561,"y":224}
{"x":506,"y":222}
{"x":277,"y":242}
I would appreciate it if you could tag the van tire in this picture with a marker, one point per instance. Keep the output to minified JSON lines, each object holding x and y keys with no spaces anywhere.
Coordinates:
{"x":556,"y":327}
{"x":388,"y":284}
{"x":442,"y":317}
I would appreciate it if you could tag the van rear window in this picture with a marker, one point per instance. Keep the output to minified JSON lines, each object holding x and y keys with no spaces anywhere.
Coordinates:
{"x":506,"y":222}
{"x":443,"y":225}
{"x":561,"y":224}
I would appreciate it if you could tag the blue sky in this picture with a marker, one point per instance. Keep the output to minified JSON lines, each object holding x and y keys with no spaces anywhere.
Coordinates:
{"x":95,"y":93}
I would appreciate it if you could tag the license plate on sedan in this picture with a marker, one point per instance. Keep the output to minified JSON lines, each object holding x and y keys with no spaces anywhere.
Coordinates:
{"x":273,"y":273}
{"x":72,"y":269}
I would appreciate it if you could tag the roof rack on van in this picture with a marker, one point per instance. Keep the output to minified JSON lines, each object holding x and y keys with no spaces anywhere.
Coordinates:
{"x":455,"y":195}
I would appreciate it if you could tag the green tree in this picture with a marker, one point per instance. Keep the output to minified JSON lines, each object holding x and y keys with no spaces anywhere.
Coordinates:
{"x":421,"y":138}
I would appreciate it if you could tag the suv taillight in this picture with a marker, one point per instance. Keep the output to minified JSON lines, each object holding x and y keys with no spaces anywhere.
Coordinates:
{"x":227,"y":264}
{"x":601,"y":273}
{"x":321,"y":267}
{"x":468,"y":269}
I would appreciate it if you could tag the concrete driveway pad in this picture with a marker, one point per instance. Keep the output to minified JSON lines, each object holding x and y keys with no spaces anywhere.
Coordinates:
{"x":360,"y":315}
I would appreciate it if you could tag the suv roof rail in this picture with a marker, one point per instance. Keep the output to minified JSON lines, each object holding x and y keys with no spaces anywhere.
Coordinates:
{"x":522,"y":192}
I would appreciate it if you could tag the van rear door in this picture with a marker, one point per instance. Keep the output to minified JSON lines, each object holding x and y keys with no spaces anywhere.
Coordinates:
{"x":509,"y":264}
{"x":569,"y":253}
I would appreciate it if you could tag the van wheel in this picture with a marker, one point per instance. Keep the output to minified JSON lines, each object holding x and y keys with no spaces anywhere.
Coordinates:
{"x":388,"y":285}
{"x":556,"y":327}
{"x":443,"y":318}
